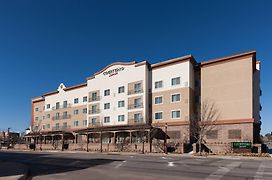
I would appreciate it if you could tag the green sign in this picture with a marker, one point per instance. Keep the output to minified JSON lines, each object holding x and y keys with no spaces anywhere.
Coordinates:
{"x":241,"y":145}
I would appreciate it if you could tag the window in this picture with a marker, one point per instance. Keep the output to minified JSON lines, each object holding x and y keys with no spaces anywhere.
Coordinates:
{"x":57,"y":115}
{"x":158,"y":100}
{"x":121,"y":104}
{"x":64,"y":104}
{"x":48,"y":106}
{"x":94,"y":96}
{"x":94,"y":109}
{"x":57,"y":125}
{"x":175,"y":114}
{"x":158,"y":84}
{"x":47,"y":126}
{"x":212,"y":134}
{"x":106,"y":119}
{"x":76,"y":111}
{"x":175,"y":97}
{"x":64,"y":125}
{"x":36,"y":118}
{"x":175,"y":81}
{"x":107,"y":106}
{"x":57,"y":105}
{"x":85,"y":111}
{"x":137,"y":117}
{"x":43,"y":117}
{"x":85,"y":99}
{"x":65,"y":114}
{"x":75,"y":123}
{"x":43,"y":126}
{"x":85,"y":123}
{"x":137,"y":102}
{"x":94,"y":121}
{"x":121,"y":89}
{"x":235,"y":134}
{"x":107,"y":92}
{"x":75,"y":100}
{"x":137,"y":87}
{"x":36,"y":109}
{"x":121,"y":118}
{"x":158,"y":115}
{"x":48,"y":115}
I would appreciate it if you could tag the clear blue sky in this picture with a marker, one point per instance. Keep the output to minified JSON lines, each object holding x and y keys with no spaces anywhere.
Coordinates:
{"x":43,"y":43}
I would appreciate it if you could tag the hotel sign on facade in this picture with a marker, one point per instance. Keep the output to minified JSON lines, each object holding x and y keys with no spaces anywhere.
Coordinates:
{"x":113,"y":72}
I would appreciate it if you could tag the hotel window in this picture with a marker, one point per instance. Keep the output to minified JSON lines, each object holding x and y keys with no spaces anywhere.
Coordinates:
{"x":107,"y":106}
{"x":76,"y":111}
{"x":47,"y":126}
{"x":137,"y":88}
{"x":107,"y":92}
{"x":43,"y":107}
{"x":85,"y":123}
{"x":57,"y":125}
{"x":48,"y":115}
{"x":158,"y":84}
{"x":85,"y":111}
{"x":175,"y":81}
{"x":36,"y":109}
{"x":64,"y":125}
{"x":158,"y":100}
{"x":57,"y":115}
{"x":137,"y":117}
{"x":75,"y":123}
{"x":158,"y":115}
{"x":175,"y":97}
{"x":65,"y":114}
{"x":234,"y":134}
{"x":106,"y":119}
{"x":121,"y":118}
{"x":121,"y":89}
{"x":64,"y":104}
{"x":94,"y":109}
{"x":212,"y":134}
{"x":121,"y":104}
{"x":85,"y":99}
{"x":94,"y":121}
{"x":36,"y":118}
{"x":48,"y":106}
{"x":43,"y":126}
{"x":94,"y":96}
{"x":43,"y":117}
{"x":175,"y":114}
{"x":75,"y":100}
{"x":137,"y":102}
{"x":57,"y":105}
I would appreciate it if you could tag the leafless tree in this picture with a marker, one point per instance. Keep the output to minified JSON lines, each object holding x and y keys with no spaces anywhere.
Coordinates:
{"x":204,"y":122}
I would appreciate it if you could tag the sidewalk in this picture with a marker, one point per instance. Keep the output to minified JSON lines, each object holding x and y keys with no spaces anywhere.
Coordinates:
{"x":12,"y":171}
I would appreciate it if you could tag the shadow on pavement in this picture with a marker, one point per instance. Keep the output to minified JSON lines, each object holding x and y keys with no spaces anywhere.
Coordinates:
{"x":44,"y":164}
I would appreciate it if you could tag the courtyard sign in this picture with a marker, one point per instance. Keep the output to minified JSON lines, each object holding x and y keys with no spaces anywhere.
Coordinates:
{"x":113,"y":72}
{"x":241,"y":145}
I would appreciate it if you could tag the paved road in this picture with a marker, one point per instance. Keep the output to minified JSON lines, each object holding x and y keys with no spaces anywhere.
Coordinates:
{"x":61,"y":165}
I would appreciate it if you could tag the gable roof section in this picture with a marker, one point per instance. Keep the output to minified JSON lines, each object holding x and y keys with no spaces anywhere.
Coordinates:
{"x":174,"y":61}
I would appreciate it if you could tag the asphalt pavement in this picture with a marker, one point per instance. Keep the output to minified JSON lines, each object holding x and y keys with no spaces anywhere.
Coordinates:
{"x":77,"y":165}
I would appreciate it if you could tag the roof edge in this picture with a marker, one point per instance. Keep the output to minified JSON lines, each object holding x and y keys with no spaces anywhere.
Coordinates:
{"x":175,"y":60}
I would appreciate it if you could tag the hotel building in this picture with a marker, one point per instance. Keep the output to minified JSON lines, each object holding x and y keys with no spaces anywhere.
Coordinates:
{"x":129,"y":103}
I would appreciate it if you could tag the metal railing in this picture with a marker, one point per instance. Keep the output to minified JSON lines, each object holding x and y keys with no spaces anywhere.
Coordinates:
{"x":94,"y":124}
{"x":135,"y":91}
{"x":135,"y":106}
{"x":94,"y":111}
{"x":134,"y":121}
{"x":95,"y":98}
{"x":61,"y":127}
{"x":68,"y":116}
{"x":61,"y":106}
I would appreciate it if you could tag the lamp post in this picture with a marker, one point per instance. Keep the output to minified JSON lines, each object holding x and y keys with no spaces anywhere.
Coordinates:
{"x":165,"y":139}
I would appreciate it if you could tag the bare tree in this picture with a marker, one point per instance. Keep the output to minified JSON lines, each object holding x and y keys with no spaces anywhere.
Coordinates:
{"x":204,"y":122}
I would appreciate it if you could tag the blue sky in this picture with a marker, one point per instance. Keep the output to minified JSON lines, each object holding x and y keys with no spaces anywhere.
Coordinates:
{"x":44,"y":43}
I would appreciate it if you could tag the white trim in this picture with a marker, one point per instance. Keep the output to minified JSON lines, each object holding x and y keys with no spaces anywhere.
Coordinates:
{"x":179,"y":113}
{"x":155,"y":115}
{"x":155,"y":100}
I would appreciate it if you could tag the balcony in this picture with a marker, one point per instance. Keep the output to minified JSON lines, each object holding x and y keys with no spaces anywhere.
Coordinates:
{"x":135,"y":91}
{"x":54,"y":128}
{"x":68,"y":116}
{"x":61,"y":106}
{"x":134,"y":121}
{"x":95,"y":98}
{"x":94,"y":124}
{"x":135,"y":106}
{"x":94,"y":111}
